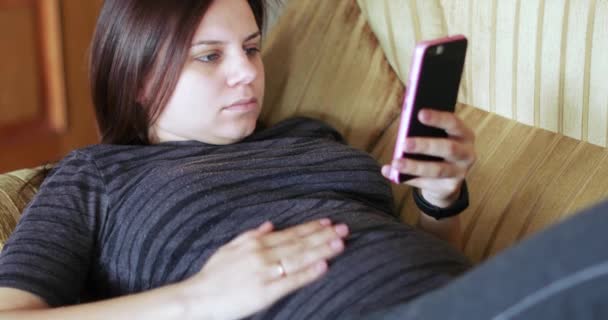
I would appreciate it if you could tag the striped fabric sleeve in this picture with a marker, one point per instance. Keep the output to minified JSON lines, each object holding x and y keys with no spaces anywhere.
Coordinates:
{"x":50,"y":251}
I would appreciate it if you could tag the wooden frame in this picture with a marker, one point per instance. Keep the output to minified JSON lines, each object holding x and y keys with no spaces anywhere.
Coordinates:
{"x":53,"y":115}
{"x":52,"y":62}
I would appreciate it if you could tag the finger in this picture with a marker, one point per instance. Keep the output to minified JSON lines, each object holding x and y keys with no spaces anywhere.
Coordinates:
{"x":265,"y":227}
{"x":276,"y":238}
{"x":386,"y":171}
{"x":428,"y":169}
{"x":299,"y":254}
{"x":300,"y":260}
{"x":309,"y":241}
{"x":447,"y":121}
{"x":449,"y":149}
{"x":249,"y":235}
{"x":292,"y":282}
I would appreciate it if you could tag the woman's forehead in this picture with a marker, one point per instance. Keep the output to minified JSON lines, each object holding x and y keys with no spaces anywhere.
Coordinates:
{"x":226,"y":20}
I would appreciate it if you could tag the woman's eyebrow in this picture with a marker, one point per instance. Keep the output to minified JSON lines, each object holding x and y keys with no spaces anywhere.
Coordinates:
{"x":213,"y":42}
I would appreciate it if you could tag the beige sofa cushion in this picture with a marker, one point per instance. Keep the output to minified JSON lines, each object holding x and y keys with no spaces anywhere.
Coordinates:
{"x":399,"y":25}
{"x":15,"y":194}
{"x":525,"y":180}
{"x":322,"y":60}
{"x":543,"y":63}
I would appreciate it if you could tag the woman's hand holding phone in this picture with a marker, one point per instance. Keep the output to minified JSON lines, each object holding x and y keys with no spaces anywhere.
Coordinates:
{"x":434,"y":149}
{"x":439,"y":181}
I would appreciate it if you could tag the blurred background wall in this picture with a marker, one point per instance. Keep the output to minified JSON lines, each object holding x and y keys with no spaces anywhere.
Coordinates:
{"x":45,"y":109}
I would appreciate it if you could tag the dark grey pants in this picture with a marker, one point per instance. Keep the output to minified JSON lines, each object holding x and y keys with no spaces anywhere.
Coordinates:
{"x":560,"y":273}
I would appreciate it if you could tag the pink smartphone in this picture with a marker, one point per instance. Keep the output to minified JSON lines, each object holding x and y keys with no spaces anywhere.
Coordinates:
{"x":434,"y":80}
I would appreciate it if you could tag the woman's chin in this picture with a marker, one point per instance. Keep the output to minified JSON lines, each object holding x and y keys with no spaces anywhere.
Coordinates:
{"x":241,"y":132}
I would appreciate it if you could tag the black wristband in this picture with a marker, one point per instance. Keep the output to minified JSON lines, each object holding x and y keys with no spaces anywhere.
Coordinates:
{"x":440,"y":213}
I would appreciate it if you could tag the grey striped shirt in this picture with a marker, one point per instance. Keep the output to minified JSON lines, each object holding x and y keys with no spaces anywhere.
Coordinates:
{"x":113,"y":220}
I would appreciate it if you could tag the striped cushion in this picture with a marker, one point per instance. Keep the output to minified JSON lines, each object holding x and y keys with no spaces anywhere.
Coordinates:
{"x":524,"y":180}
{"x":543,"y":63}
{"x":400,"y":24}
{"x":322,"y":60}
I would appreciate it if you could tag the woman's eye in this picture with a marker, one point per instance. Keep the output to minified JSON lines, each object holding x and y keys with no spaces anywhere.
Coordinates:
{"x":209,"y":58}
{"x":252,"y":51}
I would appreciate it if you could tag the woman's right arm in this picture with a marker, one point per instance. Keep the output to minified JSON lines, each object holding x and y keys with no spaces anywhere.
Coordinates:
{"x":242,"y":273}
{"x":161,"y":303}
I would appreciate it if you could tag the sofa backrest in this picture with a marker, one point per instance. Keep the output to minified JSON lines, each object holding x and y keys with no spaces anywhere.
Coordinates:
{"x":542,"y":63}
{"x":400,"y":24}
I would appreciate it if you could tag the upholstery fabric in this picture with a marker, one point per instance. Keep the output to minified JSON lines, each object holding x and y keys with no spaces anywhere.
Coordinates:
{"x":542,"y":63}
{"x":399,"y":25}
{"x":15,"y":194}
{"x":323,"y":60}
{"x":525,"y":179}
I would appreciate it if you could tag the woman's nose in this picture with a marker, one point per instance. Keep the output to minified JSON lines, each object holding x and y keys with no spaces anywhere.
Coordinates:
{"x":243,"y":71}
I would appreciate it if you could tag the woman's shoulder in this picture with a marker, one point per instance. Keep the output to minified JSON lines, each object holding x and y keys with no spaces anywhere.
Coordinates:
{"x":107,"y":154}
{"x":95,"y":151}
{"x":95,"y":159}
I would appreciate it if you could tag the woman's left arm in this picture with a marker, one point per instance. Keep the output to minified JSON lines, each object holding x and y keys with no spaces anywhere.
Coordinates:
{"x":440,"y":183}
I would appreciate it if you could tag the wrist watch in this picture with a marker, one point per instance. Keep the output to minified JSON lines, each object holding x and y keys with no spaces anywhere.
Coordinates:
{"x":440,"y":213}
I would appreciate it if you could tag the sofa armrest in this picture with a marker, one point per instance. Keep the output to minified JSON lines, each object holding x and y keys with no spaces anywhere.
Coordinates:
{"x":525,"y":180}
{"x":17,"y":189}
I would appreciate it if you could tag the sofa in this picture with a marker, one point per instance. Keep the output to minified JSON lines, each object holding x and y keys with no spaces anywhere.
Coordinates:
{"x":538,"y":108}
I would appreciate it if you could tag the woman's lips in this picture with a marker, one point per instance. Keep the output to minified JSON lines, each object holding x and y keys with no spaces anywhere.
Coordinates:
{"x":243,"y":105}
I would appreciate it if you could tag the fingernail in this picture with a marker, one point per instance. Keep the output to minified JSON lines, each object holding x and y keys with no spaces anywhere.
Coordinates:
{"x":337,"y":244}
{"x":386,"y":170}
{"x":264,"y":225}
{"x":341,"y":229}
{"x":423,"y":116}
{"x":325,"y":222}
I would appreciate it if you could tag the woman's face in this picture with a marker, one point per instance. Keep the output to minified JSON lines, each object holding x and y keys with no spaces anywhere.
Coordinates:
{"x":220,"y":91}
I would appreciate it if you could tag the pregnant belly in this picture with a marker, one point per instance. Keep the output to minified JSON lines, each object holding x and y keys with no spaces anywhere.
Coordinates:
{"x":385,"y":262}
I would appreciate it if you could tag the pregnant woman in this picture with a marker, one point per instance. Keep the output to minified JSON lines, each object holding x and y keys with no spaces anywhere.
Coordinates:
{"x":190,"y":208}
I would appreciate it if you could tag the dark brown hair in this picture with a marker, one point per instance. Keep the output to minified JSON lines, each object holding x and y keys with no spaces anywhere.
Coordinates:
{"x":137,"y":43}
